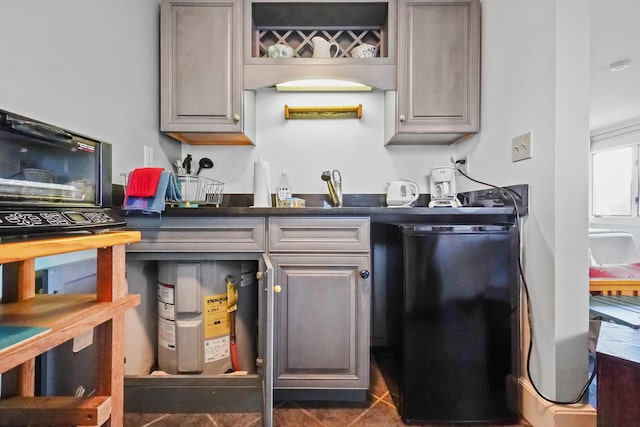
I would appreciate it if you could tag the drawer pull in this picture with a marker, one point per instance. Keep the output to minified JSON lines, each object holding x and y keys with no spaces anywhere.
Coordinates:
{"x":364,"y":274}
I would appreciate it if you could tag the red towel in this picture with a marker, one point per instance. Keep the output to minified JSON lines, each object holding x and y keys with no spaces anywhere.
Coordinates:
{"x":143,"y":182}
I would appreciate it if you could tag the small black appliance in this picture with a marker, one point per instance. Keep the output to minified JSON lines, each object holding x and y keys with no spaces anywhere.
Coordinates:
{"x":52,"y":179}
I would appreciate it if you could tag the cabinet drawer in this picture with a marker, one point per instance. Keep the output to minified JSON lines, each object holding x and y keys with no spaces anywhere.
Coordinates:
{"x":319,"y":234}
{"x":199,"y":234}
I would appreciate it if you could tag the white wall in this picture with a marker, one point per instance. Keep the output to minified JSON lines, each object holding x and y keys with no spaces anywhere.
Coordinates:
{"x":535,"y":75}
{"x":304,"y":148}
{"x":92,"y":66}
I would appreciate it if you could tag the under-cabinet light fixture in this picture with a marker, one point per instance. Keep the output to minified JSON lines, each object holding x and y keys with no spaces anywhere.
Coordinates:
{"x":322,"y":85}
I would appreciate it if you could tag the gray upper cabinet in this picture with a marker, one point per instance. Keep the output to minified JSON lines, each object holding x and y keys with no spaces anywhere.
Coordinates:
{"x":438,"y":87}
{"x":214,"y":55}
{"x":296,"y":22}
{"x":202,"y":99}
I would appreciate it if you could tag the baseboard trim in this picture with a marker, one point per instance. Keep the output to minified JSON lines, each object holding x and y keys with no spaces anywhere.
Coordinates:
{"x":540,"y":413}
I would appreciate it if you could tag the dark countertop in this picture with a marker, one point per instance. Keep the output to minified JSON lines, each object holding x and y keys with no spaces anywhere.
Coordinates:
{"x":506,"y":214}
{"x":480,"y":205}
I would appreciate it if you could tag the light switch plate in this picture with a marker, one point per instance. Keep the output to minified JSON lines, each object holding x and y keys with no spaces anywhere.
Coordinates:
{"x":148,"y":156}
{"x":521,"y":147}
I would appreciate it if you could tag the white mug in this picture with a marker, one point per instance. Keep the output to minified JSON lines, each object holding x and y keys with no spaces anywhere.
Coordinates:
{"x":364,"y":51}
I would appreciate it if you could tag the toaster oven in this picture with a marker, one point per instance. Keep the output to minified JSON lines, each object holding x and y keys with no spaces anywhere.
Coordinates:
{"x":52,"y":179}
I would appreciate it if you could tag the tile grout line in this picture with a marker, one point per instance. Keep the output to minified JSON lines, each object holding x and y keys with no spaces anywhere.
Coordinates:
{"x":163,"y":416}
{"x":309,"y":414}
{"x":392,"y":403}
{"x":212,"y":420}
{"x":359,"y":417}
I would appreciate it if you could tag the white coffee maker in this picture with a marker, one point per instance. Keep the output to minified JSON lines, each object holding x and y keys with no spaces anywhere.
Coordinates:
{"x":442,"y":185}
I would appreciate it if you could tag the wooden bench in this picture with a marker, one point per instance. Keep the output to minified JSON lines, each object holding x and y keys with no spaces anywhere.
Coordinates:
{"x":613,"y":286}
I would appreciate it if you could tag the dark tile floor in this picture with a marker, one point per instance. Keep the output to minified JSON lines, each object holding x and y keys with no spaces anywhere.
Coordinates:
{"x":378,"y":411}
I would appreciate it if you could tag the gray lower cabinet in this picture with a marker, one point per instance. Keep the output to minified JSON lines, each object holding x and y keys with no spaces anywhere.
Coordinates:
{"x":438,"y":87}
{"x":180,"y":270}
{"x":303,"y":310}
{"x":202,"y":101}
{"x":322,"y":309}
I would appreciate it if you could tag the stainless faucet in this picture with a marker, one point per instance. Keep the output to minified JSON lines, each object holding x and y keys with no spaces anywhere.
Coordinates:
{"x":334,"y":182}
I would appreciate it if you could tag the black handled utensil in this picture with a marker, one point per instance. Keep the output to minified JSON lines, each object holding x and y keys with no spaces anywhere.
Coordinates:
{"x":205,"y":163}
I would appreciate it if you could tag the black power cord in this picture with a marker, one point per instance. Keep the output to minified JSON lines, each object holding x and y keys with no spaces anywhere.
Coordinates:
{"x":511,"y":193}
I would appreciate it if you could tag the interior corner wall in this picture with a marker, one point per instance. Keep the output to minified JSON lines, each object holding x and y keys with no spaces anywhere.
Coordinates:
{"x":530,"y":84}
{"x":571,"y":195}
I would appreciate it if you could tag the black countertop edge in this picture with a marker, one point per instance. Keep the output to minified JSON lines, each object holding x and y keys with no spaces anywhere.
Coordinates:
{"x":419,"y":215}
{"x":481,"y":202}
{"x":315,"y":211}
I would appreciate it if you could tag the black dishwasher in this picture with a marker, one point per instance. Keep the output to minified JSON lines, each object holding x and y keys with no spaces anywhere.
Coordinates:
{"x":452,"y":322}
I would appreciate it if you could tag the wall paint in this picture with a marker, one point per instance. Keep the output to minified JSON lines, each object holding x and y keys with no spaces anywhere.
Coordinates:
{"x":304,"y":148}
{"x":92,"y":66}
{"x":535,"y":78}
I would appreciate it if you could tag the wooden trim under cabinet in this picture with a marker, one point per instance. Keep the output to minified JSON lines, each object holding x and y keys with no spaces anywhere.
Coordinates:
{"x":211,"y":138}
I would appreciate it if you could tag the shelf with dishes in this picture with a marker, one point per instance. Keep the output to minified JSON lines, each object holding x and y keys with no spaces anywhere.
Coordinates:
{"x":309,"y":28}
{"x":322,"y":39}
{"x":319,"y":43}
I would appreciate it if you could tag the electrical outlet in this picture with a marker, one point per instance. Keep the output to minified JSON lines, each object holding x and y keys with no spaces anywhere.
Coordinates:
{"x":148,"y":156}
{"x":521,"y":147}
{"x":463,"y":164}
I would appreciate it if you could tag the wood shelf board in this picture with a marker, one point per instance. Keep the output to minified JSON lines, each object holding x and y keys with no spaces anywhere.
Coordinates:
{"x":66,"y":314}
{"x":211,"y":138}
{"x":34,"y":248}
{"x":62,"y":410}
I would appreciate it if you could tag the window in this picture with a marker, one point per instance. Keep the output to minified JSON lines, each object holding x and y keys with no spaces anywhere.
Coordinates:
{"x":613,"y":174}
{"x":615,"y":177}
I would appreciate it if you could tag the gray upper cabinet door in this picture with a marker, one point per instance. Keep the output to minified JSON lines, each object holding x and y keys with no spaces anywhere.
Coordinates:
{"x":201,"y":70}
{"x":438,"y":88}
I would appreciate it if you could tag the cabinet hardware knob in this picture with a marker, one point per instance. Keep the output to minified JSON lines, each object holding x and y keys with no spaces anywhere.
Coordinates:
{"x":236,"y":117}
{"x":259,"y":275}
{"x":277,"y":289}
{"x":364,"y":274}
{"x":402,"y":118}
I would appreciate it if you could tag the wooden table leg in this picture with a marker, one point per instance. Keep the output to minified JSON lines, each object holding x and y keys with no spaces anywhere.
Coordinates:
{"x":18,"y":284}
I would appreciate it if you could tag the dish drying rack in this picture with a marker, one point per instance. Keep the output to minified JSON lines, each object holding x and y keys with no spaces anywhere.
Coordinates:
{"x":198,"y":190}
{"x":195,"y":190}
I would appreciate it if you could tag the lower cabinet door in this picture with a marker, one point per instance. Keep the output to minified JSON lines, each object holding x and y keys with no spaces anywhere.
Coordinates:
{"x":322,"y":321}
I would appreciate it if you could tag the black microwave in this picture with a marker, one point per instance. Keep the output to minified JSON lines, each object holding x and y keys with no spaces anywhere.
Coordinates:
{"x":53,"y":179}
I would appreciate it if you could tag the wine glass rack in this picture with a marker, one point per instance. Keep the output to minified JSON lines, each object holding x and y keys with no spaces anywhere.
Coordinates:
{"x":300,"y":40}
